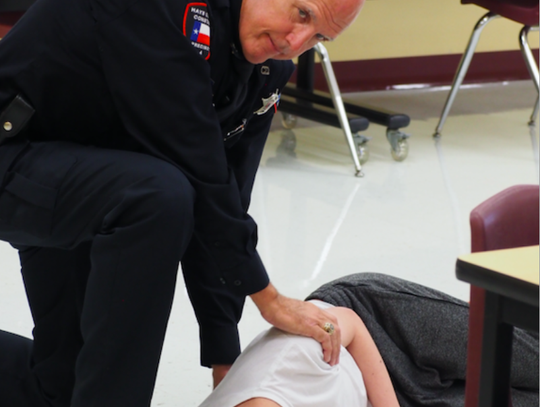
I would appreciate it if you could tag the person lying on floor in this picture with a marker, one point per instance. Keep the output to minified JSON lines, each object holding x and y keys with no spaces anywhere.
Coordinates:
{"x":404,"y":345}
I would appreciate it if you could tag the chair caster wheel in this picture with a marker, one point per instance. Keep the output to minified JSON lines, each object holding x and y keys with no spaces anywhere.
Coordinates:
{"x":287,"y":146}
{"x":362,"y":149}
{"x":363,"y":153}
{"x":289,"y":121}
{"x":288,"y":140}
{"x":401,"y":152}
{"x":398,"y":142}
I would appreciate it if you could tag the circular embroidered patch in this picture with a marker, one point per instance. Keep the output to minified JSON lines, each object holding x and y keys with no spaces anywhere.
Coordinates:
{"x":197,"y":27}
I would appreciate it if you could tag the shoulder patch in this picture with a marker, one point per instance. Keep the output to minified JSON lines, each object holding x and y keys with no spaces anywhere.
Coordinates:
{"x":197,"y":27}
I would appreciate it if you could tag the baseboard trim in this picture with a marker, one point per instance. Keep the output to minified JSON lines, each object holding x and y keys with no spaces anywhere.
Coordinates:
{"x":433,"y":70}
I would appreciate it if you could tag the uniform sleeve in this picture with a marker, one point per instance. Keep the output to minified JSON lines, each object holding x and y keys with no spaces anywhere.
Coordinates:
{"x":218,"y":311}
{"x":162,"y":91}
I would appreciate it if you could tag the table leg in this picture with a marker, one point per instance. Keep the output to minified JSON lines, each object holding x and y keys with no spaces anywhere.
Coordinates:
{"x":496,"y":355}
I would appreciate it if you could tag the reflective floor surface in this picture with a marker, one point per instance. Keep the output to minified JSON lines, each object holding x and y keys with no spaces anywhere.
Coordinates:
{"x":318,"y":222}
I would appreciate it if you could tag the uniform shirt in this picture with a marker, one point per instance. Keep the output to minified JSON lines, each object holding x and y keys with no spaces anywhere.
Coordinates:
{"x":290,"y":370}
{"x":166,"y":78}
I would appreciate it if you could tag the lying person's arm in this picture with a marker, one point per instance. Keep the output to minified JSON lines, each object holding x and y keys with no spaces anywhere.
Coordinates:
{"x":357,"y":340}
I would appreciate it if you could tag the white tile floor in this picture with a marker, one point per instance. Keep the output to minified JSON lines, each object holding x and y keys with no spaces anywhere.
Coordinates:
{"x":317,"y":222}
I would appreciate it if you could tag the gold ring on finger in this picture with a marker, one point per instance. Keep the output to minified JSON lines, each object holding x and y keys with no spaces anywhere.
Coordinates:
{"x":328,"y":327}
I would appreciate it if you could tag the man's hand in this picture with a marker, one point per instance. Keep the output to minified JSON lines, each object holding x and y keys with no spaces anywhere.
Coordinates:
{"x":219,"y":372}
{"x":301,"y":318}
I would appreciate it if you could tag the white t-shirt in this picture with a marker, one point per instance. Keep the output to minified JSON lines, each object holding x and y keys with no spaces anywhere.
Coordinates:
{"x":290,"y":370}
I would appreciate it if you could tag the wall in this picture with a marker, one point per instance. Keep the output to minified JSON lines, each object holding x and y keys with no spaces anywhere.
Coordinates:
{"x":405,"y":28}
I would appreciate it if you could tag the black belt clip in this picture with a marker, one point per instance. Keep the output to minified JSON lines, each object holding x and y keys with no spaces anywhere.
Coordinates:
{"x":14,"y":118}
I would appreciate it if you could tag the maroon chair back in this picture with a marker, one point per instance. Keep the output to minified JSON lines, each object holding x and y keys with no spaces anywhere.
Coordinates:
{"x":523,"y":11}
{"x":507,"y":219}
{"x":8,"y":20}
{"x":10,"y":12}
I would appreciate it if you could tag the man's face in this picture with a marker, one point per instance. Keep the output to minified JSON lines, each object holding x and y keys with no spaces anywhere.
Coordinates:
{"x":284,"y":29}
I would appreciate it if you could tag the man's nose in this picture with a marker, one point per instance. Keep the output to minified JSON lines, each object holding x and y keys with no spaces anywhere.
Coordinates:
{"x":300,"y":39}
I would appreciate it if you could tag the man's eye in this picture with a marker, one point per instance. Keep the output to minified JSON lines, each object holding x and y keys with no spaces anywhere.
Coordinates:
{"x":321,"y":37}
{"x":302,"y":13}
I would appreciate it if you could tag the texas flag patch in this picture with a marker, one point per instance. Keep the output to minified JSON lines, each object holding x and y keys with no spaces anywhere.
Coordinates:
{"x":197,"y":27}
{"x":201,"y":33}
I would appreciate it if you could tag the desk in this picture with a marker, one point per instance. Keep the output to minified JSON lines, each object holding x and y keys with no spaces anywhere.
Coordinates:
{"x":510,"y":278}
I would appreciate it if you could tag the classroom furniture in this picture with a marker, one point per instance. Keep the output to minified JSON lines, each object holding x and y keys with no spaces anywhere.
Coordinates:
{"x":10,"y":12}
{"x":302,"y":100}
{"x":508,"y":219}
{"x":510,"y":280}
{"x":524,"y":12}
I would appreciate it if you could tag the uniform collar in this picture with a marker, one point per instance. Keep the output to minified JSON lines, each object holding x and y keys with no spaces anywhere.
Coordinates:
{"x":242,"y":66}
{"x":235,"y":7}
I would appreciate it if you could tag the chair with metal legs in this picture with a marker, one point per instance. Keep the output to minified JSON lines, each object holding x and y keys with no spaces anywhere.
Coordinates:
{"x":350,"y":126}
{"x":531,"y":64}
{"x":303,"y":101}
{"x":522,"y":11}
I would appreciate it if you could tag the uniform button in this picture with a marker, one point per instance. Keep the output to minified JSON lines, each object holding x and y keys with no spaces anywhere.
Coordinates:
{"x":217,"y":243}
{"x":8,"y":126}
{"x":237,"y":282}
{"x":222,"y":280}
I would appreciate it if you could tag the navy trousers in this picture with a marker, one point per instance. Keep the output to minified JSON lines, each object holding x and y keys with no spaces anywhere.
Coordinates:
{"x":100,"y":234}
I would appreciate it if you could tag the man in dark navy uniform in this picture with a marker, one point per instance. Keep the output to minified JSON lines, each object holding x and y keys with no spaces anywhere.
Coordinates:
{"x":131,"y":132}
